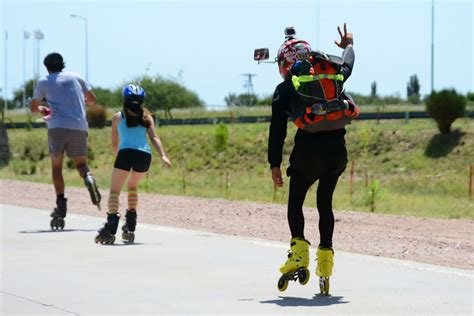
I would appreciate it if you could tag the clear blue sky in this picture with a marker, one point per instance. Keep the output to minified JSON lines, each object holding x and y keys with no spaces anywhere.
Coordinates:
{"x":208,"y":45}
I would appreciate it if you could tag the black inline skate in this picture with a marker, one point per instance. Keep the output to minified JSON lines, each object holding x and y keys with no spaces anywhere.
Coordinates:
{"x":107,"y":233}
{"x":58,"y":215}
{"x":128,"y":228}
{"x":91,"y":185}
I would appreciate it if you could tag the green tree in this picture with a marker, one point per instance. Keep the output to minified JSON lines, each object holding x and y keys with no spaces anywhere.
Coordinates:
{"x":445,"y":107}
{"x":413,"y":90}
{"x":166,"y":94}
{"x":266,"y":100}
{"x":373,"y":90}
{"x":108,"y":98}
{"x":18,"y":93}
{"x":470,"y":96}
{"x":244,"y":99}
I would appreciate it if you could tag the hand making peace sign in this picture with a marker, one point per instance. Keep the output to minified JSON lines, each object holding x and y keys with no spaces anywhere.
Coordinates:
{"x":346,"y":39}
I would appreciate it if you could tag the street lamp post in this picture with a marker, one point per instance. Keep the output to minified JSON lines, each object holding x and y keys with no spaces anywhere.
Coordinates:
{"x":432,"y":44}
{"x":87,"y":49}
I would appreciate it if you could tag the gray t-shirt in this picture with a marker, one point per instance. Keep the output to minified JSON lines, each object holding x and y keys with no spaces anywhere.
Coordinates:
{"x":64,"y":92}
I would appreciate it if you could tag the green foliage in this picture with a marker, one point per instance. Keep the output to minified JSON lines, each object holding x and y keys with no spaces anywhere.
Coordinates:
{"x":18,"y":93}
{"x":413,"y":87}
{"x":445,"y":107}
{"x":166,"y":94}
{"x":108,"y":98}
{"x":97,"y":116}
{"x":374,"y":194}
{"x":373,"y":90}
{"x":221,"y":137}
{"x":243,"y":99}
{"x":470,"y":96}
{"x":414,"y":99}
{"x":393,"y":154}
{"x":266,"y":100}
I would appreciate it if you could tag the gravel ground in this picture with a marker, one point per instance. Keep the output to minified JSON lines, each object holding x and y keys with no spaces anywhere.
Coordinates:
{"x":434,"y":241}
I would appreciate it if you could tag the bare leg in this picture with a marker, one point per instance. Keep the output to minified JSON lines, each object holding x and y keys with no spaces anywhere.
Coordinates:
{"x":119,"y":177}
{"x":81,"y":165}
{"x":57,"y":173}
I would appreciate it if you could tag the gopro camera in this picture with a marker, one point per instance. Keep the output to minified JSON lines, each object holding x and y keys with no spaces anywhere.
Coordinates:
{"x":290,"y":32}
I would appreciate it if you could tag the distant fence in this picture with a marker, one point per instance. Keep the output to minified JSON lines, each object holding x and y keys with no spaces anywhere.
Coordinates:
{"x":252,"y":119}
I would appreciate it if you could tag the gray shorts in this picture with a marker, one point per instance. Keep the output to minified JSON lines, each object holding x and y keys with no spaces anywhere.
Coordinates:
{"x":74,"y":142}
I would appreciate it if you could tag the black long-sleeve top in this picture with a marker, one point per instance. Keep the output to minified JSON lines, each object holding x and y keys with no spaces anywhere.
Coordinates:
{"x":281,"y":108}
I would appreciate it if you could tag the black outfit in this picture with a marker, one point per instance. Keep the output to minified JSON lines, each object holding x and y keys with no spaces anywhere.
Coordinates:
{"x":316,"y":156}
{"x":137,"y":160}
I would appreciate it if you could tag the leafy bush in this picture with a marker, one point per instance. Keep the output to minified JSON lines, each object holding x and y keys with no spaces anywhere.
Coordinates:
{"x":414,"y":99}
{"x":166,"y":94}
{"x":109,"y":98}
{"x":221,"y":137}
{"x":445,"y":107}
{"x":97,"y":116}
{"x":470,"y":96}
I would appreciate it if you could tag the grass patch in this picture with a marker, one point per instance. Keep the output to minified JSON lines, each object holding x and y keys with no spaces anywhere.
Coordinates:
{"x":418,"y":172}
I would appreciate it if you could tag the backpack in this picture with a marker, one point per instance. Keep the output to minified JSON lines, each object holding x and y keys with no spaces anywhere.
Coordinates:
{"x":320,"y":103}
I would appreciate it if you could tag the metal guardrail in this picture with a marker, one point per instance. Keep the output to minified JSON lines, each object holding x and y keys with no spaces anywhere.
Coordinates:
{"x":251,"y":119}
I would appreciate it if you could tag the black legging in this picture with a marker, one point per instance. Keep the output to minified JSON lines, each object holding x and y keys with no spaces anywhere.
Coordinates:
{"x":307,"y":167}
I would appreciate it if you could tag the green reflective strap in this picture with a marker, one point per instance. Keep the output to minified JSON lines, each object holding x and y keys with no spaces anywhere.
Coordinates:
{"x":308,"y":78}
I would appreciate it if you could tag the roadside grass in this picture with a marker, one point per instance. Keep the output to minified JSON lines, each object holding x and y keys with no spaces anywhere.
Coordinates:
{"x":412,"y":169}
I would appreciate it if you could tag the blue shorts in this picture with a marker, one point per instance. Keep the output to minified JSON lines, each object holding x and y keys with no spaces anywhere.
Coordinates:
{"x":132,"y":159}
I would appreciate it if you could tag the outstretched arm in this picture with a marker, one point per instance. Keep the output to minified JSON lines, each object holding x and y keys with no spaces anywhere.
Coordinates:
{"x":348,"y":56}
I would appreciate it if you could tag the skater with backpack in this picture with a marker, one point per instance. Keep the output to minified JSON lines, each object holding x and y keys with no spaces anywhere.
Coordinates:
{"x":66,"y":95}
{"x":130,"y":128}
{"x":312,"y":96}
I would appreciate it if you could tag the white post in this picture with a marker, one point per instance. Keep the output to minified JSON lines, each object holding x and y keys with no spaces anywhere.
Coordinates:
{"x":86,"y":39}
{"x":432,"y":45}
{"x":26,"y":35}
{"x":5,"y":93}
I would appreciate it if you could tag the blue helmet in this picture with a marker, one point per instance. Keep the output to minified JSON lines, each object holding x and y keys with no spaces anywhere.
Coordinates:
{"x":133,"y":92}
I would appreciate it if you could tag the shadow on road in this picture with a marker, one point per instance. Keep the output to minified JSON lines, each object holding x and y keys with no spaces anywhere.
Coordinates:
{"x":120,"y":244}
{"x":317,"y":300}
{"x":40,"y":231}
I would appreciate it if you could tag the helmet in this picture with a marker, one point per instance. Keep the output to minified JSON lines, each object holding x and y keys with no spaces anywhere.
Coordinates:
{"x":292,"y":50}
{"x":134,"y":93}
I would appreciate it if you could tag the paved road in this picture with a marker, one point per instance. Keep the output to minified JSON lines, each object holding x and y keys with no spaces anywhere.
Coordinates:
{"x":172,"y":270}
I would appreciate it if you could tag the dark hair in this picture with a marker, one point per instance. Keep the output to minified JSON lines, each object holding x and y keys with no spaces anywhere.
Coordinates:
{"x":54,"y":62}
{"x":135,"y":114}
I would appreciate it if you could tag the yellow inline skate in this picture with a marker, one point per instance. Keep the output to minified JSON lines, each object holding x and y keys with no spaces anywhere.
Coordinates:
{"x":325,"y":264}
{"x":296,"y":267}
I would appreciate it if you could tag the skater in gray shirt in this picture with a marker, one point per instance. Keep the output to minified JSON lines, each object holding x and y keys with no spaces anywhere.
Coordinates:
{"x":66,"y":95}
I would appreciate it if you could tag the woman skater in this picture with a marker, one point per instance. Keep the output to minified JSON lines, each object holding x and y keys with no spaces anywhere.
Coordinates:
{"x":130,"y":128}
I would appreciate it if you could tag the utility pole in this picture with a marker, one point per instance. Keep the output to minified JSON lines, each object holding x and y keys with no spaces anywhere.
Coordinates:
{"x":249,"y":84}
{"x":432,"y":45}
{"x":26,"y":35}
{"x":5,"y":93}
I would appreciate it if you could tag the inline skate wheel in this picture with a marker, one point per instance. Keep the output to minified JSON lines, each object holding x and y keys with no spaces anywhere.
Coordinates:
{"x":282,"y":283}
{"x":128,"y":236}
{"x":61,"y":223}
{"x":110,"y":241}
{"x":303,"y":276}
{"x":324,"y":285}
{"x":56,"y":223}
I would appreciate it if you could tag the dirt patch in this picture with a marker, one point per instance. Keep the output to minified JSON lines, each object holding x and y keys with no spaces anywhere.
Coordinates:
{"x":434,"y":241}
